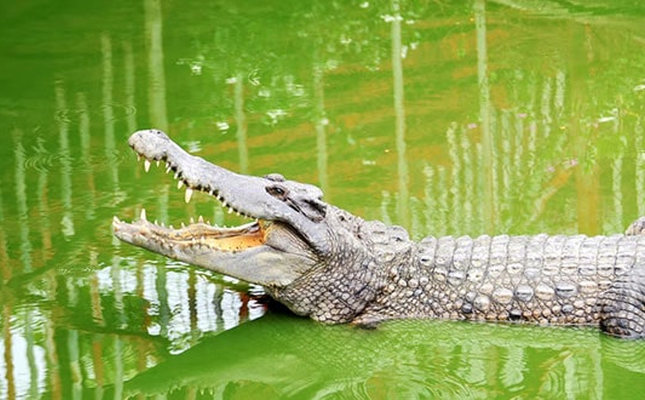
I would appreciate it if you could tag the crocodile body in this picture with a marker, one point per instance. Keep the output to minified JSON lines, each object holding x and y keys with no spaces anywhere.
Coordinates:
{"x":325,"y":263}
{"x":542,"y":279}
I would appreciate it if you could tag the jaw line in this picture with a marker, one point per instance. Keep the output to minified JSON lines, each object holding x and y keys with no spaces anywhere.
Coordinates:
{"x":157,"y":237}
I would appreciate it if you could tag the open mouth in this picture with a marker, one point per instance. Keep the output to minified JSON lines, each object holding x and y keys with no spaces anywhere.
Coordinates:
{"x":200,"y":233}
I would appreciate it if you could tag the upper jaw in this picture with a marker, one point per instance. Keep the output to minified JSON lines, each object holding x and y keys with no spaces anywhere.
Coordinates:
{"x":242,"y":194}
{"x":192,"y":173}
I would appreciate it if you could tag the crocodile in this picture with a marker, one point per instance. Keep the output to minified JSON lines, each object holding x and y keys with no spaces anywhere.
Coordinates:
{"x":325,"y":263}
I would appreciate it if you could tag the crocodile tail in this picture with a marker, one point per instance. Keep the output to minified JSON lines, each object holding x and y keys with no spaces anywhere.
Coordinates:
{"x":622,"y":306}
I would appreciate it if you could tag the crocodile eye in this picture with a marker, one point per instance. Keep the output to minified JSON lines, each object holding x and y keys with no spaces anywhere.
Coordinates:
{"x":275,"y":177}
{"x":277,"y":191}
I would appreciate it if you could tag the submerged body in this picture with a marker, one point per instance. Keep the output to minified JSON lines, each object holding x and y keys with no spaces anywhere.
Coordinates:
{"x":323,"y":262}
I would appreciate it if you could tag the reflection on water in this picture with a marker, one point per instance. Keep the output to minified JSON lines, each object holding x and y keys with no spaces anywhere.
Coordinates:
{"x":399,"y":116}
{"x":67,"y":222}
{"x":447,"y":119}
{"x":460,"y":361}
{"x":156,"y":74}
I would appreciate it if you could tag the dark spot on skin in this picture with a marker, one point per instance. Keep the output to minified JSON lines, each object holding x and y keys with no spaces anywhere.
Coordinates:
{"x":515,"y":315}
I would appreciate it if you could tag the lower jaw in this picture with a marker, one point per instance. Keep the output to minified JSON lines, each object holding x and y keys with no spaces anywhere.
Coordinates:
{"x":237,"y":238}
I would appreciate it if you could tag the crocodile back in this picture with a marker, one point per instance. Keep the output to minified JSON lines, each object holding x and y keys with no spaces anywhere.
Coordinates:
{"x":547,"y":279}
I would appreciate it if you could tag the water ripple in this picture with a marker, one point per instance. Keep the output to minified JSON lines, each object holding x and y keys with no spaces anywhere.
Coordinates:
{"x":46,"y":162}
{"x":41,"y":162}
{"x":62,"y":115}
{"x":70,"y":115}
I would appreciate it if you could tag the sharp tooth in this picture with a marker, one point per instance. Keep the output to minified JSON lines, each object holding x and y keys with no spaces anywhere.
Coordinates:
{"x":237,"y":212}
{"x":158,"y":161}
{"x":171,"y":227}
{"x":142,"y":216}
{"x":168,"y":167}
{"x":200,"y":219}
{"x":192,"y":220}
{"x":180,"y":184}
{"x":183,"y":225}
{"x":116,"y":219}
{"x":176,"y":174}
{"x":224,"y":203}
{"x":138,"y":157}
{"x":146,"y":165}
{"x":230,"y":210}
{"x":188,"y":195}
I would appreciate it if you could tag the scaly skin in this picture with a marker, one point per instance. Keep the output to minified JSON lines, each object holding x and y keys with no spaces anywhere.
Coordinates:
{"x":540,"y":279}
{"x":334,"y":267}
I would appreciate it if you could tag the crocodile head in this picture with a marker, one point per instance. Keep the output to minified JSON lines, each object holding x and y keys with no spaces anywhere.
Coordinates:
{"x":307,"y":254}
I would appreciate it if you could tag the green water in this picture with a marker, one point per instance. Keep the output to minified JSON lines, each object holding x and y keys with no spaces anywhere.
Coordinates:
{"x":444,"y":117}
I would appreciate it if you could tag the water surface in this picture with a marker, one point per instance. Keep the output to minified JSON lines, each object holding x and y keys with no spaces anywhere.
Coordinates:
{"x":443,"y":117}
